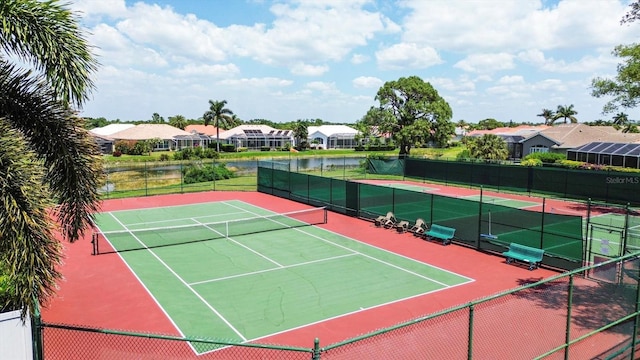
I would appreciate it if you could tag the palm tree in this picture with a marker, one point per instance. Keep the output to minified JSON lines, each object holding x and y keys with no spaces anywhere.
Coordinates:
{"x":488,"y":146}
{"x":301,"y":133}
{"x":157,"y":119}
{"x":548,"y":116}
{"x":566,"y":112}
{"x":462,"y":125}
{"x":620,"y":119}
{"x":219,"y":115}
{"x":46,"y":157}
{"x":178,"y":121}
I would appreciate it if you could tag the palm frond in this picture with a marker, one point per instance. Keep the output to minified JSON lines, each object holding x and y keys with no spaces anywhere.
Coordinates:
{"x":46,"y":35}
{"x":29,"y":252}
{"x":69,"y":155}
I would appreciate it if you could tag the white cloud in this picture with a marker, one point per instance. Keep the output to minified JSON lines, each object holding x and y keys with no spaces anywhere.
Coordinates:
{"x":325,"y":87}
{"x":216,"y":70}
{"x":367,"y":82}
{"x":308,"y":70}
{"x":407,"y":55}
{"x":486,"y":63}
{"x":257,"y":82}
{"x":586,"y":64}
{"x":359,"y":58}
{"x":486,"y":26}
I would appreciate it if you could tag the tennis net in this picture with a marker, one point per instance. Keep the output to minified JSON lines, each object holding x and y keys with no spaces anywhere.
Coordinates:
{"x":137,"y":239}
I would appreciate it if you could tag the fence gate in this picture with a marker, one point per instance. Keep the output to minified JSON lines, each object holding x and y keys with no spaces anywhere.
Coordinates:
{"x":604,"y":243}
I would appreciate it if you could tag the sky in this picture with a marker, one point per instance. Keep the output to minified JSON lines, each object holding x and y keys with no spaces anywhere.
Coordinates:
{"x":286,"y":60}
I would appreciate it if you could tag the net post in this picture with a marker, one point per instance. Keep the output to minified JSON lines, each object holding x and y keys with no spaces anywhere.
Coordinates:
{"x":94,"y":244}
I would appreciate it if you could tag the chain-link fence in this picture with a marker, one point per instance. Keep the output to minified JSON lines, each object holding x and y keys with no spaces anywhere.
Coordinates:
{"x":608,"y":186}
{"x":561,"y":236}
{"x":568,"y":316}
{"x":168,"y":177}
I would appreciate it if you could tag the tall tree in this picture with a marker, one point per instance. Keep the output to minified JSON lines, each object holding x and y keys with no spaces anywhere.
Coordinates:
{"x":46,"y":156}
{"x":411,"y":111}
{"x":566,"y":112}
{"x":620,"y":119}
{"x":157,"y":119}
{"x":625,"y":87}
{"x":489,"y":124}
{"x":219,"y":115}
{"x":178,"y":121}
{"x":548,"y":116}
{"x":488,"y":146}
{"x":301,"y":133}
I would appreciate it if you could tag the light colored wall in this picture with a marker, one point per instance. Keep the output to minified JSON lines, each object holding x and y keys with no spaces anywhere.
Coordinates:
{"x":15,"y":337}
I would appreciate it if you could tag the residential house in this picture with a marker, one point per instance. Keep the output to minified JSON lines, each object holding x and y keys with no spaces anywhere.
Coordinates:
{"x":171,"y":138}
{"x":332,"y":136}
{"x":102,"y":135}
{"x":257,"y":137}
{"x":564,"y":137}
{"x":512,"y":136}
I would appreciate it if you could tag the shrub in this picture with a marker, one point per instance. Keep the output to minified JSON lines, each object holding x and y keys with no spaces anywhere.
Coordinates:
{"x":209,"y":153}
{"x":265,"y":148}
{"x":464,"y":155}
{"x":117,"y":153}
{"x":164,"y":157}
{"x":531,"y":162}
{"x":203,"y":173}
{"x":227,"y":147}
{"x":547,"y":158}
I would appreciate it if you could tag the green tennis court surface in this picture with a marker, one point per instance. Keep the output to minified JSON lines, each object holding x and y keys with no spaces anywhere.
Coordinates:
{"x":410,"y":187}
{"x":253,"y":279}
{"x":519,"y":204}
{"x":607,"y":233}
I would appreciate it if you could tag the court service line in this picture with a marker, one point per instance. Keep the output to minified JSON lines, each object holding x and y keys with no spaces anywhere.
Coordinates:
{"x":182,"y":281}
{"x":272,"y":269}
{"x":390,"y":252}
{"x":239,"y":244}
{"x":365,"y":255}
{"x":180,"y":219}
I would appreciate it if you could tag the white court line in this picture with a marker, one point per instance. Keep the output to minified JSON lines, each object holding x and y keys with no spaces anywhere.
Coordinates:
{"x":241,"y":245}
{"x":365,"y":255}
{"x":183,"y":282}
{"x":181,"y":219}
{"x":268,"y":270}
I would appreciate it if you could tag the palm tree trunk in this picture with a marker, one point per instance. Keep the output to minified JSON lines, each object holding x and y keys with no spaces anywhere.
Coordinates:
{"x":217,"y":136}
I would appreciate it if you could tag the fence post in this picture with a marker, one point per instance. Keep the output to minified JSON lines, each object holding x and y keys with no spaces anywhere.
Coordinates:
{"x":36,"y":334}
{"x":544,"y":202}
{"x":567,"y":338}
{"x":480,"y":220}
{"x":146,"y":185}
{"x":470,"y":339}
{"x":636,"y":323}
{"x":316,"y":349}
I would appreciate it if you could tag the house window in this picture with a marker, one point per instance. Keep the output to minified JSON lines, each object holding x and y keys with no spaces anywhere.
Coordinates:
{"x":538,"y":149}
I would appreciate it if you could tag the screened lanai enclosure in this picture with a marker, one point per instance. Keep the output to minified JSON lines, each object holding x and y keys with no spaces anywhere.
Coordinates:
{"x":255,"y":139}
{"x":607,"y":153}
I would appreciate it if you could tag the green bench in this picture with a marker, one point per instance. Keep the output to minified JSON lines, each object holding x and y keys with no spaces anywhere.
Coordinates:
{"x":528,"y":254}
{"x":440,"y":232}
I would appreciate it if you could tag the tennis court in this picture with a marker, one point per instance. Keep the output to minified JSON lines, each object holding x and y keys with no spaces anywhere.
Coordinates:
{"x":496,"y":200}
{"x":233,"y":270}
{"x":404,"y":186}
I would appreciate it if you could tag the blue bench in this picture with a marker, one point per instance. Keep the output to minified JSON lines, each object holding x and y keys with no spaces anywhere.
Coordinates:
{"x":524,"y":253}
{"x":440,"y":232}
